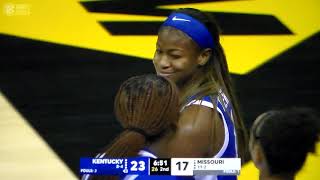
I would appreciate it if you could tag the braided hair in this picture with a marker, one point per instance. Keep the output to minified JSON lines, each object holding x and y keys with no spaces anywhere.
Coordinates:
{"x":146,"y":106}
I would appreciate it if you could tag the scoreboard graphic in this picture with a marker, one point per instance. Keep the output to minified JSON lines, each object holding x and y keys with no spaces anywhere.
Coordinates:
{"x":173,"y":166}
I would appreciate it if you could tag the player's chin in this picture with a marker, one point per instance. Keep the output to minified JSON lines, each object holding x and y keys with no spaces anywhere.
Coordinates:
{"x":170,"y":77}
{"x":173,"y":78}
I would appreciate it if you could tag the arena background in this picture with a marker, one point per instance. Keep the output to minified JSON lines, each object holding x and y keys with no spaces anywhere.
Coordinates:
{"x":62,"y":62}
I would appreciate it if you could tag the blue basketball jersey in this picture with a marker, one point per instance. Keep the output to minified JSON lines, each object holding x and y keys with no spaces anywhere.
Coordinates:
{"x":229,"y":147}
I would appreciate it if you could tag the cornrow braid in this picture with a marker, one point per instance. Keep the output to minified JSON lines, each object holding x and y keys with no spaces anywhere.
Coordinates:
{"x":148,"y":103}
{"x":145,"y":105}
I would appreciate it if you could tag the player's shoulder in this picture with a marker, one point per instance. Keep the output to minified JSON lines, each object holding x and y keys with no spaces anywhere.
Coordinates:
{"x":199,"y":103}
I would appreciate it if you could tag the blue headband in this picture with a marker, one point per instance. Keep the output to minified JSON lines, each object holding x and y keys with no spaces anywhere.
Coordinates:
{"x":192,"y":27}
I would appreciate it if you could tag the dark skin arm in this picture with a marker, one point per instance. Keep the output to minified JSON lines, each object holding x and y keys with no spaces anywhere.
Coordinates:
{"x":196,"y":135}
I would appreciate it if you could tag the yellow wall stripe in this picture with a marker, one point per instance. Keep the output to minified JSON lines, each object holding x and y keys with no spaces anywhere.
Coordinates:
{"x":23,"y":153}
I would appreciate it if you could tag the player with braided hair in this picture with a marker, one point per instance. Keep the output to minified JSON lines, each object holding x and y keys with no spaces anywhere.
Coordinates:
{"x":147,"y":107}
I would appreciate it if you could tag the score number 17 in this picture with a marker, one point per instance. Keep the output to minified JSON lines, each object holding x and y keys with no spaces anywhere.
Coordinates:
{"x":182,"y":165}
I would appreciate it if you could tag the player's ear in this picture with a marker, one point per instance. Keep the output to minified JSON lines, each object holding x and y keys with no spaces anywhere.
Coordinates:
{"x":257,"y":155}
{"x":204,"y":56}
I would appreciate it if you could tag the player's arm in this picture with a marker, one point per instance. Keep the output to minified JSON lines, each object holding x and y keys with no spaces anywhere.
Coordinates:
{"x":193,"y":137}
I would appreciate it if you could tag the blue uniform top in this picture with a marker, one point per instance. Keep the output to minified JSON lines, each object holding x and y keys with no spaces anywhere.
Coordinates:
{"x":229,"y":147}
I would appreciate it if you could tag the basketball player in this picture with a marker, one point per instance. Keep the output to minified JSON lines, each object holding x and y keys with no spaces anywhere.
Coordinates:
{"x":188,"y":52}
{"x":281,"y":140}
{"x":147,"y":107}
